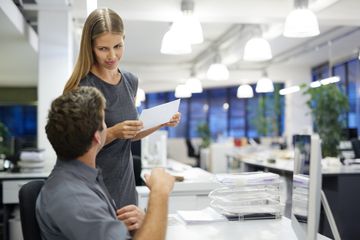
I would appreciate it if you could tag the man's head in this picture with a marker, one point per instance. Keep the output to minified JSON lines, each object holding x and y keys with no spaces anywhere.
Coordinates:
{"x":75,"y":121}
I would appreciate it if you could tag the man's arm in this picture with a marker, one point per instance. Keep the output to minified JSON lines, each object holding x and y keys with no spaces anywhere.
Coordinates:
{"x":155,"y":223}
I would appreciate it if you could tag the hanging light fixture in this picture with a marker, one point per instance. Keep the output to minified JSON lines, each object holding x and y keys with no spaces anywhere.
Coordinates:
{"x":264,"y":84}
{"x":194,"y":84}
{"x":245,"y":91}
{"x":137,"y":103}
{"x":329,"y":80}
{"x":289,"y":90}
{"x":217,"y":70}
{"x":184,"y":31}
{"x":188,"y":24}
{"x":174,"y":44}
{"x":182,"y":91}
{"x":257,"y":49}
{"x":301,"y":22}
{"x":140,"y":94}
{"x":140,"y":97}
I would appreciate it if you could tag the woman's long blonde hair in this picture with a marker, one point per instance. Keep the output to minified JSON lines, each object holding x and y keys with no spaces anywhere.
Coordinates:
{"x":98,"y":22}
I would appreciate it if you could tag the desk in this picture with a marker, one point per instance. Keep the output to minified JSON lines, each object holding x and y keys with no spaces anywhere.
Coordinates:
{"x":277,"y":229}
{"x":287,"y":165}
{"x":191,"y":194}
{"x":11,"y":184}
{"x":341,"y":187}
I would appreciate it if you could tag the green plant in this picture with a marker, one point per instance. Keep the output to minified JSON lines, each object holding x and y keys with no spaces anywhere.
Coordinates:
{"x":261,"y":121}
{"x":268,"y":124}
{"x":4,"y":133}
{"x":327,"y":103}
{"x":204,"y":132}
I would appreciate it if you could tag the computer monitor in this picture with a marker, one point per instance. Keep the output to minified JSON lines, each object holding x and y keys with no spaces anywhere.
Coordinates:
{"x":306,"y":186}
{"x":153,"y":149}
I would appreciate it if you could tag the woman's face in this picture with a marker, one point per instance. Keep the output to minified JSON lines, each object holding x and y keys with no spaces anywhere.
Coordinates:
{"x":108,"y":50}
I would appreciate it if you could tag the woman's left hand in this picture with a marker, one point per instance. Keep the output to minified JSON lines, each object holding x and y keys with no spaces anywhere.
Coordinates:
{"x":174,"y":121}
{"x":131,"y":216}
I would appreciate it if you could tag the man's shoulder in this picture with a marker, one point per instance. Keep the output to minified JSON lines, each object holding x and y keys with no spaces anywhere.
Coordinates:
{"x":64,"y":183}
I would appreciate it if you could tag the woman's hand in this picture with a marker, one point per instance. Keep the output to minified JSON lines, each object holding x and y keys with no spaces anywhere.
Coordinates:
{"x":126,"y":129}
{"x":174,"y":121}
{"x":131,"y":216}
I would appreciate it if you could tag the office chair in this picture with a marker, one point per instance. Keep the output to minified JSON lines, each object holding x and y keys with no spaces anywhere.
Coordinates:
{"x":27,"y":199}
{"x":137,"y":170}
{"x":356,"y":147}
{"x":191,"y":152}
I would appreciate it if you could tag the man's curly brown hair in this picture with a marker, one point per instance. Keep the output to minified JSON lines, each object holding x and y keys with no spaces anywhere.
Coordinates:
{"x":73,"y":120}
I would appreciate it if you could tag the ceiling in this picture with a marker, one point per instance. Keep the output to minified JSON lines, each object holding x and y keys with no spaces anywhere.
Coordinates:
{"x":227,"y":24}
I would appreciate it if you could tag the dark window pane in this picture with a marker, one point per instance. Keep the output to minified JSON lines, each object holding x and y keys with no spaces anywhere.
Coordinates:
{"x":21,"y":120}
{"x":252,"y":111}
{"x":218,"y":108}
{"x":154,"y":99}
{"x":237,"y":114}
{"x":198,"y":112}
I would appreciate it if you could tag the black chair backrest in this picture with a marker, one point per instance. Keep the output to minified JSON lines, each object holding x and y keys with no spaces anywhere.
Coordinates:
{"x":137,"y":170}
{"x":27,"y":199}
{"x":356,"y":147}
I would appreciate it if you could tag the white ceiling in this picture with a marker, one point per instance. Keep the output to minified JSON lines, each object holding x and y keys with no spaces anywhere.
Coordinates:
{"x":225,"y":26}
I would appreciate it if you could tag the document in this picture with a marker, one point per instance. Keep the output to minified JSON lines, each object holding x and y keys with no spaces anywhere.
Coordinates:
{"x":205,"y":215}
{"x":160,"y":114}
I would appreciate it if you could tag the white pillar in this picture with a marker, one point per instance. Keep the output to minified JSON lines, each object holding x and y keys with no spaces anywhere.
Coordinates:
{"x":55,"y":62}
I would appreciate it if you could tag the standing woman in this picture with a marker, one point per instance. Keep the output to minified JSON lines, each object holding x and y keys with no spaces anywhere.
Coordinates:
{"x":102,"y":46}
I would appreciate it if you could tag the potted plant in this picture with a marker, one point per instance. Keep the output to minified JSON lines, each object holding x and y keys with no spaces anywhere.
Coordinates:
{"x":4,"y":150}
{"x":204,"y":134}
{"x":327,"y":103}
{"x":268,"y":125}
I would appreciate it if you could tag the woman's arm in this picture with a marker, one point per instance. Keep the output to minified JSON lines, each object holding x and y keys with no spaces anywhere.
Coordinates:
{"x":146,"y":132}
{"x":174,"y":121}
{"x":123,"y":130}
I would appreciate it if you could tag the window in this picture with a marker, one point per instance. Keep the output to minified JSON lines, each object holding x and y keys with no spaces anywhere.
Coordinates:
{"x":199,"y":107}
{"x":237,"y":114}
{"x":218,"y":112}
{"x":21,"y":120}
{"x":348,"y":72}
{"x":225,"y":114}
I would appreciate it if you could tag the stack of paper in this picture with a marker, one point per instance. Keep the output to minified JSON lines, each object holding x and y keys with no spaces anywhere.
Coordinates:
{"x":247,"y":179}
{"x":247,"y":196}
{"x":32,"y":160}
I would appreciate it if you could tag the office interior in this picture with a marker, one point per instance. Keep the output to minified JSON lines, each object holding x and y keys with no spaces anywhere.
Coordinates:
{"x":222,"y":129}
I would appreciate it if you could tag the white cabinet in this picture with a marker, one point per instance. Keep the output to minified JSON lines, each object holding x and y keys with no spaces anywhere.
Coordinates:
{"x":10,"y":190}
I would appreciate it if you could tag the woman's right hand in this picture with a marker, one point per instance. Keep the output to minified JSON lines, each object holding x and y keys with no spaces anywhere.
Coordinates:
{"x":126,"y":129}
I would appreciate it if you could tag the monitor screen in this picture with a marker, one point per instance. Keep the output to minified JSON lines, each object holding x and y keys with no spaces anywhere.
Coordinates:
{"x":306,"y":186}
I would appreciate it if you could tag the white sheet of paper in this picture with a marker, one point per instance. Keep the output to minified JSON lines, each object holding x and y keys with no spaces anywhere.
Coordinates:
{"x":160,"y":114}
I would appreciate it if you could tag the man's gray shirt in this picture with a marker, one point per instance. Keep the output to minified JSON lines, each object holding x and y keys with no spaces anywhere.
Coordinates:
{"x":74,"y":205}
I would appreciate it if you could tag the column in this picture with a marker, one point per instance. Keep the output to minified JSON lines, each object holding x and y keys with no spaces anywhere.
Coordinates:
{"x":55,"y":62}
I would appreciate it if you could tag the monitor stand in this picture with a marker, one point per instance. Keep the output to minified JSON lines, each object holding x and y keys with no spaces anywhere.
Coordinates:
{"x":330,"y":216}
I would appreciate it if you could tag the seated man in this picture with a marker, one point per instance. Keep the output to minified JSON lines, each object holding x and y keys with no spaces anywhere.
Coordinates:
{"x":74,"y":202}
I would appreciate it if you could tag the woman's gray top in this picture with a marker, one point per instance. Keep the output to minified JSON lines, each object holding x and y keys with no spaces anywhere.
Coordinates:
{"x":115,"y":159}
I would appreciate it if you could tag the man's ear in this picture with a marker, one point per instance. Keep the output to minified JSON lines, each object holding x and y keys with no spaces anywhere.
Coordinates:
{"x":97,"y":137}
